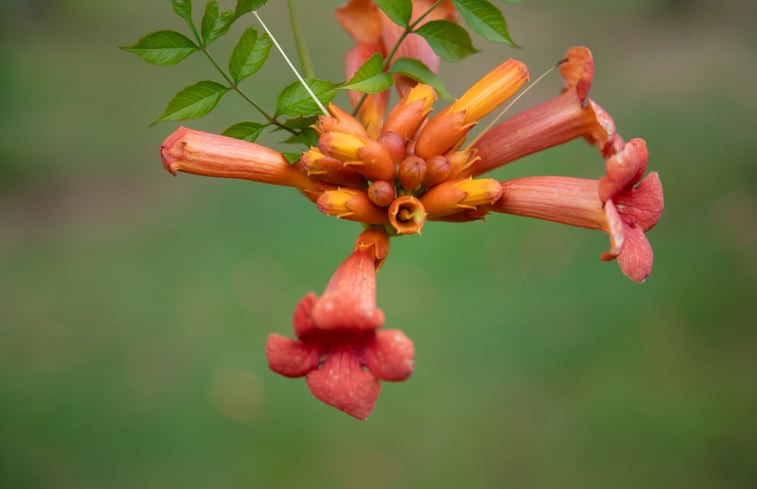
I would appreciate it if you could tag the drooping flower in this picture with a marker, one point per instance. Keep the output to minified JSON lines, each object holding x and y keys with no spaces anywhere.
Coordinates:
{"x":338,"y":347}
{"x":620,"y":203}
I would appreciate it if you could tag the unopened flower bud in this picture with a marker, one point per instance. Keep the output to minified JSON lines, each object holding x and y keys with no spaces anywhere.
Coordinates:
{"x":412,"y":172}
{"x":447,"y":129}
{"x":393,"y":143}
{"x":367,"y":156}
{"x":341,"y":121}
{"x":317,"y":165}
{"x":454,"y":196}
{"x":352,"y":204}
{"x":437,"y":170}
{"x":410,"y":111}
{"x":381,"y":193}
{"x":460,"y":163}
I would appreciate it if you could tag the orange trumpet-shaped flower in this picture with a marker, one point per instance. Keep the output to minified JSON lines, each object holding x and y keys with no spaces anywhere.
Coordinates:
{"x":566,"y":117}
{"x":620,"y":203}
{"x":338,"y":346}
{"x":211,"y":155}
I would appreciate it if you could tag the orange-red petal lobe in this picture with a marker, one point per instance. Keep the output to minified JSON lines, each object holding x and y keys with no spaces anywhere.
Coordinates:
{"x":390,"y":356}
{"x":642,"y":205}
{"x":290,"y":358}
{"x":624,"y":169}
{"x":360,"y":18}
{"x":636,"y":256}
{"x":341,"y":382}
{"x":578,"y":71}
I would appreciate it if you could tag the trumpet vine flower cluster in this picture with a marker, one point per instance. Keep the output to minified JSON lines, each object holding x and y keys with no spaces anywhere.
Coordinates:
{"x":396,"y":170}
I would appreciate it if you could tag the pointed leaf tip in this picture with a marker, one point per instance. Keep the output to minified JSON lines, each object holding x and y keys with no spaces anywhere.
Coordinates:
{"x":399,"y":11}
{"x":370,"y":77}
{"x":415,"y":69}
{"x":249,"y":54}
{"x":450,"y":41}
{"x":193,"y":101}
{"x":294,"y":100}
{"x":163,"y":48}
{"x":485,"y":19}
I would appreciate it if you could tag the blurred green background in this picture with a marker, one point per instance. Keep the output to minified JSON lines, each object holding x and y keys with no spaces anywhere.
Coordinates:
{"x":134,"y":307}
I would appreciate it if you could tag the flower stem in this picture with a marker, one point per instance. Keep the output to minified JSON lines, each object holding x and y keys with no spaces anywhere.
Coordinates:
{"x":271,"y":120}
{"x":299,"y":39}
{"x":405,"y":33}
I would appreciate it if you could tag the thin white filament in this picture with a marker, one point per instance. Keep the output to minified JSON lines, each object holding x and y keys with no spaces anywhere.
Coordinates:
{"x":512,"y":102}
{"x":286,"y":58}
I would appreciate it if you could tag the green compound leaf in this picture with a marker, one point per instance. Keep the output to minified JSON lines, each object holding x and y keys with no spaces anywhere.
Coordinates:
{"x":397,"y":10}
{"x":163,"y":48}
{"x":370,"y":77}
{"x":193,"y":101}
{"x":294,"y":100}
{"x":245,"y":6}
{"x":412,"y":68}
{"x":249,"y":54}
{"x":486,"y":19}
{"x":214,"y":25}
{"x":183,"y":9}
{"x":246,"y":130}
{"x":450,"y":41}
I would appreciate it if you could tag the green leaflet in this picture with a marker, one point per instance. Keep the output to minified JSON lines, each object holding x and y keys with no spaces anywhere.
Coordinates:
{"x":214,"y":24}
{"x":246,"y":130}
{"x":249,"y":54}
{"x":412,"y":68}
{"x":450,"y":41}
{"x":370,"y":77}
{"x":163,"y":48}
{"x":245,"y":6}
{"x":193,"y":101}
{"x":294,"y":100}
{"x":183,"y":9}
{"x":485,"y":19}
{"x":399,"y":11}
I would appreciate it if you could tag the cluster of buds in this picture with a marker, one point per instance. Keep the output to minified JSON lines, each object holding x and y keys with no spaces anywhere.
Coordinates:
{"x":395,"y":172}
{"x":414,"y":168}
